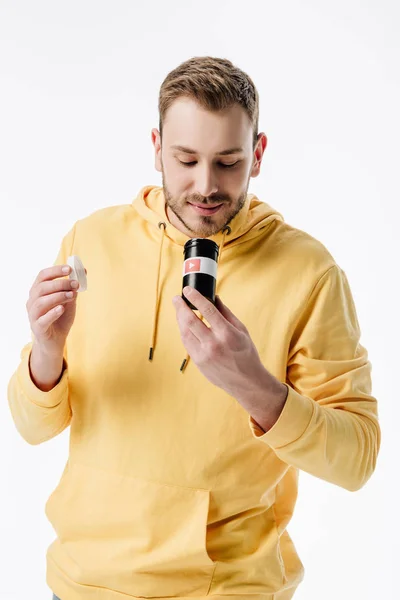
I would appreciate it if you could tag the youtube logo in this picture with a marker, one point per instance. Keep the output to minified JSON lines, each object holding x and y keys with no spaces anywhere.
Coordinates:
{"x":192,"y":265}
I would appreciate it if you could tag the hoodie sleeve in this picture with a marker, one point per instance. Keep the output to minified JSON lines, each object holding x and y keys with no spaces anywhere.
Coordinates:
{"x":329,"y":424}
{"x":40,"y":416}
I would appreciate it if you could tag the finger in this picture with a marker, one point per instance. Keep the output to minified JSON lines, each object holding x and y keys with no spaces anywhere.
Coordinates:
{"x":206,"y":308}
{"x":52,"y":272}
{"x":191,"y":342}
{"x":50,"y":317}
{"x":189,"y":321}
{"x":51,"y":287}
{"x":46,"y":303}
{"x":228,"y":314}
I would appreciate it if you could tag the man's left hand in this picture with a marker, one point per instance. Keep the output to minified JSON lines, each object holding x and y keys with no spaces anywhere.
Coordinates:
{"x":228,"y":358}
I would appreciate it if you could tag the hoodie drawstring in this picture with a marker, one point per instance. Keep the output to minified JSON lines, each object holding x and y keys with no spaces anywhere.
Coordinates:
{"x":226,"y":231}
{"x":153,"y":335}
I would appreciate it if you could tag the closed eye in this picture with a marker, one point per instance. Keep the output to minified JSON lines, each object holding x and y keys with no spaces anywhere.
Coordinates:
{"x":222,"y":165}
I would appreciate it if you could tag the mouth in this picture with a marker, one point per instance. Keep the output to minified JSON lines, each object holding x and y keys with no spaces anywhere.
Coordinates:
{"x":205,"y":210}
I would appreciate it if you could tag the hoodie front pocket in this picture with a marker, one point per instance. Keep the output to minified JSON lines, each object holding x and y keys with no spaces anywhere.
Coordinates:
{"x":133,"y":536}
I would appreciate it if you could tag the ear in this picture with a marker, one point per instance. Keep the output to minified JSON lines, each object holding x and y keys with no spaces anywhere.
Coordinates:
{"x":262,"y":141}
{"x":156,"y":139}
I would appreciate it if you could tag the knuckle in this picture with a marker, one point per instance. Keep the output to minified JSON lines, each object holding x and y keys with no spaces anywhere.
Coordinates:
{"x":191,"y":321}
{"x":38,"y":302}
{"x":209,"y":310}
{"x":214,"y":349}
{"x":39,"y":326}
{"x":226,"y":339}
{"x":38,"y":305}
{"x":185,"y":335}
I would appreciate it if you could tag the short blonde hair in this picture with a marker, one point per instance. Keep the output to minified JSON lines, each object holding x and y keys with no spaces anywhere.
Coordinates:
{"x":215,"y":83}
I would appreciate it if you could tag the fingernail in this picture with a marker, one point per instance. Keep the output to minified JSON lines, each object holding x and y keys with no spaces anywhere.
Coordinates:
{"x":187,"y":290}
{"x":65,"y":269}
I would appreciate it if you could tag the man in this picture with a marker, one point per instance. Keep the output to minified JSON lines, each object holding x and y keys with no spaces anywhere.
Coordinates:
{"x":182,"y":474}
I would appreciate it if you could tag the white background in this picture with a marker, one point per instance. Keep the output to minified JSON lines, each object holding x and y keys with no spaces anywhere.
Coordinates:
{"x":78,"y":99}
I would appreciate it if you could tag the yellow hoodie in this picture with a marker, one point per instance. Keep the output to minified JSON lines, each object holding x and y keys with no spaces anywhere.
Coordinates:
{"x":171,"y":489}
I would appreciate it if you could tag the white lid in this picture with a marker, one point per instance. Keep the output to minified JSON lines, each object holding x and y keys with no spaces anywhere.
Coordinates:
{"x":78,"y":272}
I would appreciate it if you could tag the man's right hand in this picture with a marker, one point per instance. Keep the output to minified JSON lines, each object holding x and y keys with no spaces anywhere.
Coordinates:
{"x":51,"y":310}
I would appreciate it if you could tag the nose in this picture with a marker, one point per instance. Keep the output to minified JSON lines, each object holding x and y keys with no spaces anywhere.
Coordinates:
{"x":206,"y":182}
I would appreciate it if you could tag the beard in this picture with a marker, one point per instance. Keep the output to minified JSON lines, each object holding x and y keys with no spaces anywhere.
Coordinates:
{"x":206,"y":226}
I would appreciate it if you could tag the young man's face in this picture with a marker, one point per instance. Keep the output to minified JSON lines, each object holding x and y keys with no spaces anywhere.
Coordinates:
{"x":196,"y":170}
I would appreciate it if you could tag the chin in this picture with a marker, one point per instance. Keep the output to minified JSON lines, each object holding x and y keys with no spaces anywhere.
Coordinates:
{"x":205,"y":230}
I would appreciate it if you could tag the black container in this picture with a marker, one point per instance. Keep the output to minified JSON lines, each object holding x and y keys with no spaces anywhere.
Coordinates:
{"x":200,"y":268}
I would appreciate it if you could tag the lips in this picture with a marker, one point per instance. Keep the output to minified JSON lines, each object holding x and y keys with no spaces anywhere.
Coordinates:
{"x":206,"y":209}
{"x":210,"y":206}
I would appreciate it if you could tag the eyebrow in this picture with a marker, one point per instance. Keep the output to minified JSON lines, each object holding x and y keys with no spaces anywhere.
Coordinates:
{"x":222,"y":153}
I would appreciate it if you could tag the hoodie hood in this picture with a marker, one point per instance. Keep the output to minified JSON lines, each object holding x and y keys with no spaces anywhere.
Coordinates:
{"x":252,"y":220}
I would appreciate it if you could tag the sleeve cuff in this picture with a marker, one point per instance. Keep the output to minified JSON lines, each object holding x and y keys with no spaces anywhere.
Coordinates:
{"x":46,"y":399}
{"x":291,"y":424}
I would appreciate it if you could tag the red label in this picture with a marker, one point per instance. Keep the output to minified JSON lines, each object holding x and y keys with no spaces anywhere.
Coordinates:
{"x":192,"y":265}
